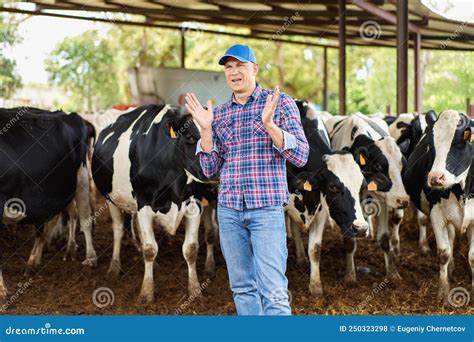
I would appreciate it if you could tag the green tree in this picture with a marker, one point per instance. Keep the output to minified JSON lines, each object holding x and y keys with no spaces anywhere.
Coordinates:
{"x":85,"y":66}
{"x":9,"y":78}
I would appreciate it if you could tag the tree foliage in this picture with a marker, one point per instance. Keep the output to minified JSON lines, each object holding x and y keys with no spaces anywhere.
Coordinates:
{"x":94,"y":68}
{"x":9,"y":78}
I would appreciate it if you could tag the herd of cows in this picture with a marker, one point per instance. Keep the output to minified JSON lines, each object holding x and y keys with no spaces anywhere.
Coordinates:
{"x":144,"y":163}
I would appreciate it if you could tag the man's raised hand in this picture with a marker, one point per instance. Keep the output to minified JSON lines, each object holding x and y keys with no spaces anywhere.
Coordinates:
{"x":202,"y":116}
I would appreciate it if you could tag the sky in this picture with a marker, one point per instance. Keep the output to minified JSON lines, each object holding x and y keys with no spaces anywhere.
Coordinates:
{"x":40,"y":36}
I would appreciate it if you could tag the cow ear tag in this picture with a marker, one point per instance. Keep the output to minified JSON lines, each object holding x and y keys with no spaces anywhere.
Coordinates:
{"x":372,"y":186}
{"x":307,"y":186}
{"x":204,"y":202}
{"x":172,"y":133}
{"x":468,"y":135}
{"x":362,"y":160}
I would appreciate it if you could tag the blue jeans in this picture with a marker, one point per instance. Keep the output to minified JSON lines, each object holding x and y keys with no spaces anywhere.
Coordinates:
{"x":253,"y":242}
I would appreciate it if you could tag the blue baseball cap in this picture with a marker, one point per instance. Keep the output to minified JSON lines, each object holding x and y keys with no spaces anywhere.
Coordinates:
{"x":242,"y":52}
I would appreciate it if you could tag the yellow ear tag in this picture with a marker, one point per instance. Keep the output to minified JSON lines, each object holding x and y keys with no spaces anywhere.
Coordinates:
{"x":172,"y":133}
{"x":467,"y":133}
{"x":362,"y":160}
{"x":204,"y":202}
{"x":307,"y":186}
{"x":372,"y":186}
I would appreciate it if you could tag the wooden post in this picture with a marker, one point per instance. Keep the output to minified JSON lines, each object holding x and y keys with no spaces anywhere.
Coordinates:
{"x":342,"y":57}
{"x":418,"y":74}
{"x":402,"y":56}
{"x":183,"y":50}
{"x":325,"y":80}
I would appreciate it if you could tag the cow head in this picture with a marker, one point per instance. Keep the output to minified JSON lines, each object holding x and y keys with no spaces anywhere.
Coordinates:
{"x":183,"y":133}
{"x":382,"y":162}
{"x":340,"y":183}
{"x":304,"y":198}
{"x":449,"y":136}
{"x":407,"y":129}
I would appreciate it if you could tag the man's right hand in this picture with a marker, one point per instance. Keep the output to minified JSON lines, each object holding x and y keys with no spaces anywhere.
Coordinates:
{"x":202,"y":116}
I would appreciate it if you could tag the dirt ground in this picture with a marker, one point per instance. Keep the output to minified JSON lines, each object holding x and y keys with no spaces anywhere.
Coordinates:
{"x":67,"y":287}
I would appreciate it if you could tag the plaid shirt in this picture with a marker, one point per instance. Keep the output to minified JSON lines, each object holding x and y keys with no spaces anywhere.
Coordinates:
{"x":252,"y":168}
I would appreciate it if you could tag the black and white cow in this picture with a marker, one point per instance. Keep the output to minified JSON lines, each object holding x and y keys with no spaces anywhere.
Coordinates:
{"x":327,"y":186}
{"x":142,"y":164}
{"x":439,"y":180}
{"x":44,"y":172}
{"x":381,"y":162}
{"x":407,"y":129}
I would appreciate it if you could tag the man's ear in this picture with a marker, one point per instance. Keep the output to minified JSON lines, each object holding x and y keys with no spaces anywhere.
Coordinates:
{"x":255,"y":68}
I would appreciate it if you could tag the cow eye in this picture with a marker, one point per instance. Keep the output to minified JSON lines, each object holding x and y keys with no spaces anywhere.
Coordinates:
{"x":333,"y":187}
{"x":190,"y":140}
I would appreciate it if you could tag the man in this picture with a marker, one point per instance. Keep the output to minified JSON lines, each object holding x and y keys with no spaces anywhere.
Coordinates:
{"x":248,"y":139}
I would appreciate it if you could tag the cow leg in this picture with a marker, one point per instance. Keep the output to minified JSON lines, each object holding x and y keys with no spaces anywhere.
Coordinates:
{"x":133,"y":223}
{"x":210,"y":235}
{"x":287,"y":226}
{"x":84,"y":212}
{"x":451,"y":236}
{"x":470,"y":236}
{"x":386,"y":246}
{"x":117,"y":225}
{"x":422,"y":220}
{"x":71,"y":247}
{"x":190,"y":251}
{"x":314,"y":251}
{"x":144,"y":223}
{"x":301,"y":258}
{"x":36,"y":253}
{"x":350,"y":247}
{"x":396,"y":217}
{"x":373,"y":221}
{"x":3,"y":288}
{"x":56,"y":233}
{"x":444,"y":250}
{"x":42,"y":231}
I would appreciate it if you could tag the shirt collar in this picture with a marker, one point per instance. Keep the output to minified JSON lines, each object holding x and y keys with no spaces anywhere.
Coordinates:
{"x":254,"y":96}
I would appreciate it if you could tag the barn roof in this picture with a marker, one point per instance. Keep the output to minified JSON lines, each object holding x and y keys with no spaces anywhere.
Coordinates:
{"x":368,"y":23}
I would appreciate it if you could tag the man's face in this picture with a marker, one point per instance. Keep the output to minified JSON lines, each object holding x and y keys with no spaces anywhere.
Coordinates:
{"x":240,"y":76}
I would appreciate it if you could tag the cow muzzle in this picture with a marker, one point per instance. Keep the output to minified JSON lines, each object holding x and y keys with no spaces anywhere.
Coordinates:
{"x":402,"y":202}
{"x":436,"y":179}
